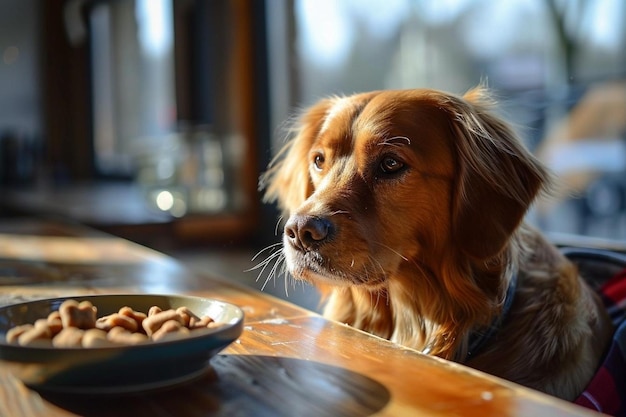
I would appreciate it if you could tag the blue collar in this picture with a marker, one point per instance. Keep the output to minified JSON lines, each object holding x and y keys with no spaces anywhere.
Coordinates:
{"x":478,"y":339}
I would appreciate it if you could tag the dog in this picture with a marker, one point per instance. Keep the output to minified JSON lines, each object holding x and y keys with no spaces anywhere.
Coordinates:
{"x":407,"y":208}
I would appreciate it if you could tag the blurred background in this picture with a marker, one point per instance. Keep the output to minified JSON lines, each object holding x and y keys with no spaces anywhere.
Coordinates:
{"x":152,"y":119}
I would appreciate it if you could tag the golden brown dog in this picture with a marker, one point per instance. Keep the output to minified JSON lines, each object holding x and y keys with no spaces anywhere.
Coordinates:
{"x":406,"y":209}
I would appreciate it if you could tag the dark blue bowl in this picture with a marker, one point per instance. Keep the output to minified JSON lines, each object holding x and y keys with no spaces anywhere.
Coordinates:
{"x":119,"y":369}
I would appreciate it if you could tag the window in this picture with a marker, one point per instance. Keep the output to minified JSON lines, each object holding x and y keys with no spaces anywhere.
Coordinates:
{"x":132,"y":51}
{"x":174,"y":85}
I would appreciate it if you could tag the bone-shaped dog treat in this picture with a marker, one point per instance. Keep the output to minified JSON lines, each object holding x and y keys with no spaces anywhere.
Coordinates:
{"x":138,"y":316}
{"x":117,"y":320}
{"x":154,"y":322}
{"x":38,"y":336}
{"x":154,"y":310}
{"x":201,"y":322}
{"x":15,"y":332}
{"x":171,"y":329}
{"x":187,"y":315}
{"x":69,"y":337}
{"x":96,"y":338}
{"x":74,"y":314}
{"x":122,"y":336}
{"x":54,"y":322}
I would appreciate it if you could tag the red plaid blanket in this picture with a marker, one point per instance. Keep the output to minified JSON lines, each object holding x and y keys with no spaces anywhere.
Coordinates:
{"x":606,"y":392}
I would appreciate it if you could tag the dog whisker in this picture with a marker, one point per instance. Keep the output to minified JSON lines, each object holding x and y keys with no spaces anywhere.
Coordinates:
{"x":275,"y":270}
{"x":280,"y":219}
{"x":379,"y":294}
{"x":392,"y":250}
{"x":276,"y":257}
{"x":378,"y":265}
{"x":271,"y":247}
{"x":263,"y":265}
{"x":375,"y":270}
{"x":286,"y":288}
{"x":267,"y":279}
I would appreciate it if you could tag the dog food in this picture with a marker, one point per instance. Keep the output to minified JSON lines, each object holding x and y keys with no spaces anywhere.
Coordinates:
{"x":77,"y":325}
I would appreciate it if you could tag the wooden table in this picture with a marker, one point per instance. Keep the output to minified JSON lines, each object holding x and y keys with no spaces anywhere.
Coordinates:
{"x":288,"y":361}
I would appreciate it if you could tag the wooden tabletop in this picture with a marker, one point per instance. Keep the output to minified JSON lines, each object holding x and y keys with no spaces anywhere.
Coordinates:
{"x":288,"y":361}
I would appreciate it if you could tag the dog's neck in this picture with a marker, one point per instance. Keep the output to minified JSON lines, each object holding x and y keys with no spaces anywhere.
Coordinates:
{"x":478,"y":338}
{"x":416,"y":309}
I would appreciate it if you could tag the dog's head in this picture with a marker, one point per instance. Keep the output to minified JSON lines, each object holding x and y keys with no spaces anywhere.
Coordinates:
{"x":376,"y":181}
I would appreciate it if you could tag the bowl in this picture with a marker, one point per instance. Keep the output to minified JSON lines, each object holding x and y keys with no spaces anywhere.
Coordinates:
{"x":118,"y":369}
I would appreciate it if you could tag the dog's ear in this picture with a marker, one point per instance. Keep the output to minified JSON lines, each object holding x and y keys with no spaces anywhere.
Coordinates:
{"x":498,"y":178}
{"x":287,"y":180}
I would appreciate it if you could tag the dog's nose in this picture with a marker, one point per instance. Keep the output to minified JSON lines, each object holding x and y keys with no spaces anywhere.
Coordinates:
{"x":304,"y":232}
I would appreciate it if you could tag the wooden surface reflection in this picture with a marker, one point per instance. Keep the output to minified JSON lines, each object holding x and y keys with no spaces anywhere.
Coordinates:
{"x":247,"y":385}
{"x":288,"y":361}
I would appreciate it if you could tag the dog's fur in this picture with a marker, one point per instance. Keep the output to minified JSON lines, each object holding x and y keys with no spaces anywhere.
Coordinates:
{"x":406,"y":209}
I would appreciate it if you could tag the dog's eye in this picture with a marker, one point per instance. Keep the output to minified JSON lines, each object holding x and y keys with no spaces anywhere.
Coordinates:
{"x":390,"y":165}
{"x":318,"y":161}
